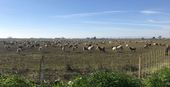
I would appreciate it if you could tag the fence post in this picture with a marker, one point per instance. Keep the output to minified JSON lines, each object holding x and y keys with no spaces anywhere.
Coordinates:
{"x":41,"y":70}
{"x":139,"y":75}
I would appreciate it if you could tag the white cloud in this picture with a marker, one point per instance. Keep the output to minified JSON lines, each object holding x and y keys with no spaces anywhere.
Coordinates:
{"x":139,"y":24}
{"x":88,"y":14}
{"x":152,"y":21}
{"x":149,"y":12}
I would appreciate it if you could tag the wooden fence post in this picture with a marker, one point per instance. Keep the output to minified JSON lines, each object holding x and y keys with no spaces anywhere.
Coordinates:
{"x":41,"y":70}
{"x":139,"y":75}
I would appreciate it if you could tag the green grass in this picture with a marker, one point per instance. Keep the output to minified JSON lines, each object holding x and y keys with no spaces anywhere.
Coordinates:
{"x":95,"y":79}
{"x":81,"y":62}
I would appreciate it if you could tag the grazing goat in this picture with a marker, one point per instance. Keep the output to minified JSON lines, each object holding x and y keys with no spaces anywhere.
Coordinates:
{"x":6,"y":47}
{"x":32,"y":46}
{"x":63,"y":48}
{"x":84,"y":48}
{"x":132,"y":48}
{"x":85,"y":44}
{"x":119,"y":47}
{"x":46,"y":45}
{"x":127,"y":45}
{"x":76,"y":45}
{"x":149,"y":44}
{"x":37,"y":45}
{"x":70,"y":46}
{"x":40,"y":48}
{"x":19,"y":50}
{"x":100,"y":48}
{"x":114,"y":48}
{"x":20,"y":46}
{"x":154,"y":44}
{"x":145,"y":46}
{"x":166,"y":50}
{"x":90,"y":47}
{"x":74,"y":48}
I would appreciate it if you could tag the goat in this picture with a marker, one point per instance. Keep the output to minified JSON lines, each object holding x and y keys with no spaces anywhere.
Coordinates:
{"x":40,"y":48}
{"x":154,"y":44}
{"x":19,"y":50}
{"x":74,"y":48}
{"x":20,"y":46}
{"x":70,"y":46}
{"x":46,"y":45}
{"x":84,"y":48}
{"x":119,"y":47}
{"x":63,"y":48}
{"x":28,"y":46}
{"x":32,"y":46}
{"x":114,"y":48}
{"x":166,"y":50}
{"x":127,"y":45}
{"x":101,"y":48}
{"x":145,"y":46}
{"x":6,"y":46}
{"x":132,"y":48}
{"x":90,"y":47}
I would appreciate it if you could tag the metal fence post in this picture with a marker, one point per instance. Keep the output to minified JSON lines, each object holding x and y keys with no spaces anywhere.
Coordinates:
{"x":41,"y":70}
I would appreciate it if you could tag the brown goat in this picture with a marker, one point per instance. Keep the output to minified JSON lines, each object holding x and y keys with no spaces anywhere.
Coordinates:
{"x":145,"y":46}
{"x":132,"y":48}
{"x":101,"y":48}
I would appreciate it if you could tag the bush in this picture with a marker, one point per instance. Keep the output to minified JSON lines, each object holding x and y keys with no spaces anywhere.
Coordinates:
{"x":14,"y":81}
{"x":162,"y":79}
{"x":105,"y":79}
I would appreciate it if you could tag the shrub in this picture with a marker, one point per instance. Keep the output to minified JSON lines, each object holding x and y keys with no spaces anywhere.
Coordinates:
{"x":162,"y":79}
{"x":105,"y":79}
{"x":14,"y":81}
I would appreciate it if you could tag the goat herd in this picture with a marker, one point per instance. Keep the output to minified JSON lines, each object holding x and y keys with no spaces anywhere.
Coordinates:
{"x":73,"y":45}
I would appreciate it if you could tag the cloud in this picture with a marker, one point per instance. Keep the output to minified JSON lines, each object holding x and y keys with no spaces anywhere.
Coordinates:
{"x":152,"y":21}
{"x":149,"y":12}
{"x":139,"y":24}
{"x":88,"y":14}
{"x":154,"y":12}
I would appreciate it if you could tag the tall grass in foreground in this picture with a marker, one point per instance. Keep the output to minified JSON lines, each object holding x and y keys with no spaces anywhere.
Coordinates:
{"x":106,"y":79}
{"x":162,"y":79}
{"x":96,"y":79}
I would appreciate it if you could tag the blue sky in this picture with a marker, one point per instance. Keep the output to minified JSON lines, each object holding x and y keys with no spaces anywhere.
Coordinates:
{"x":84,"y":18}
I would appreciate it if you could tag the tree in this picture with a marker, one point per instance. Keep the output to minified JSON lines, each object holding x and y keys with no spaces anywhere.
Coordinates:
{"x":94,"y":37}
{"x":159,"y":37}
{"x":88,"y":38}
{"x":142,"y":38}
{"x":153,"y":37}
{"x":9,"y":37}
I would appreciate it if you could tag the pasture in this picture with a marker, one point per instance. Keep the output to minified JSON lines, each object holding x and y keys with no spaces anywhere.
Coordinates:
{"x":68,"y":63}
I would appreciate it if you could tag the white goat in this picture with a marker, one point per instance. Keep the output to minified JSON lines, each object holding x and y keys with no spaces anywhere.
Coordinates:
{"x":91,"y":47}
{"x":40,"y":48}
{"x":63,"y":48}
{"x":19,"y":50}
{"x":127,"y":45}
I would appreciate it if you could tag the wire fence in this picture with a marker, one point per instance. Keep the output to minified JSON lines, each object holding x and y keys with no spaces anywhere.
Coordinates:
{"x":48,"y":68}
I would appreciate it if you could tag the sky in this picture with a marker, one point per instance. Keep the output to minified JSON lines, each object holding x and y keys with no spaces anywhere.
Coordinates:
{"x":84,"y":18}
